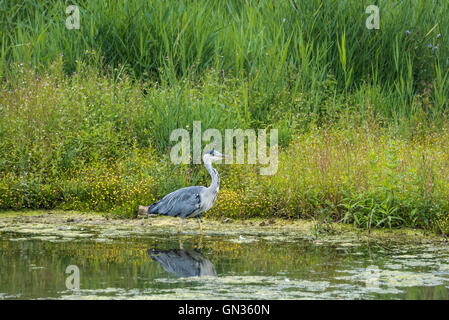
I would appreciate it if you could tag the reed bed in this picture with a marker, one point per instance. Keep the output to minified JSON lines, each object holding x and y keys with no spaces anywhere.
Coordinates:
{"x":86,"y":114}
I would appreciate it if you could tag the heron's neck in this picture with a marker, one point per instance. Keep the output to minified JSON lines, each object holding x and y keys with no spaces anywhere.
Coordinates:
{"x":214,"y":175}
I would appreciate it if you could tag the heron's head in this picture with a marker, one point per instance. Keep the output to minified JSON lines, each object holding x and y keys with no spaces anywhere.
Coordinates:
{"x":214,"y":155}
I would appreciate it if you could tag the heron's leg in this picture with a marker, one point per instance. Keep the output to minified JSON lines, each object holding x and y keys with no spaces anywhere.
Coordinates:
{"x":199,"y":223}
{"x":181,"y":222}
{"x":200,"y":243}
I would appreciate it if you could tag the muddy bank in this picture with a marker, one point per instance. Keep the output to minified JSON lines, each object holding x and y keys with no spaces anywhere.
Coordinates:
{"x":76,"y":224}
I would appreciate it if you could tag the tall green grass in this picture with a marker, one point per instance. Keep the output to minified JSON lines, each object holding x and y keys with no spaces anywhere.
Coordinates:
{"x":296,"y":46}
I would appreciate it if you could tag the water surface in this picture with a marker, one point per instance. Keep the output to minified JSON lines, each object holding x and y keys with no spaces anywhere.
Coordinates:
{"x":125,"y":263}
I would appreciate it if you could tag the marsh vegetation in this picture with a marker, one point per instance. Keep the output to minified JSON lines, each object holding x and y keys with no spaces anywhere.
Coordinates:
{"x":86,"y":115}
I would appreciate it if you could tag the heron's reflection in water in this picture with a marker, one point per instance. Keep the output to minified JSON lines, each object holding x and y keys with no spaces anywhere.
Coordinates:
{"x":184,"y":263}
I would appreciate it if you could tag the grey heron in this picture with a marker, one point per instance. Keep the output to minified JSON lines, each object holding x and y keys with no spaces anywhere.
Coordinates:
{"x":185,"y":263}
{"x":191,"y":202}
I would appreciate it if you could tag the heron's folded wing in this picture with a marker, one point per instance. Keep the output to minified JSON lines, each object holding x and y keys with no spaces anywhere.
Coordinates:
{"x":180,"y":203}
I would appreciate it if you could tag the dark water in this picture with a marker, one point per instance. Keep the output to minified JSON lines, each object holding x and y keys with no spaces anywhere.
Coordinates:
{"x":252,"y":266}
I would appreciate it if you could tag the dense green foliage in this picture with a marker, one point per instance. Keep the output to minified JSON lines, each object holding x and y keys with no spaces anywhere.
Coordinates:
{"x":86,"y":114}
{"x":276,"y":46}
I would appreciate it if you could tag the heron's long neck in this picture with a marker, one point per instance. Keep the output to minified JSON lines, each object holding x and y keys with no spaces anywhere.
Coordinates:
{"x":214,"y":175}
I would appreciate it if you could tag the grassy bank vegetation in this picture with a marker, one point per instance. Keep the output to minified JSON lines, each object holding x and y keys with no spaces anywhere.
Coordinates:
{"x":86,"y":114}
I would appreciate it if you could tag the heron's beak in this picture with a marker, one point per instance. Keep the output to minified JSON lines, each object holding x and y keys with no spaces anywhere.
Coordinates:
{"x":225,"y":156}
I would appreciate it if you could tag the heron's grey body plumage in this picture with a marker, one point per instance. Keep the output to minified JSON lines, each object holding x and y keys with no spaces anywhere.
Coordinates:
{"x":183,"y":203}
{"x":191,"y":202}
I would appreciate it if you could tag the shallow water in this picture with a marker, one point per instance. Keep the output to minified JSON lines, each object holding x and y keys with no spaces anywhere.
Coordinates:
{"x":127,"y":263}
